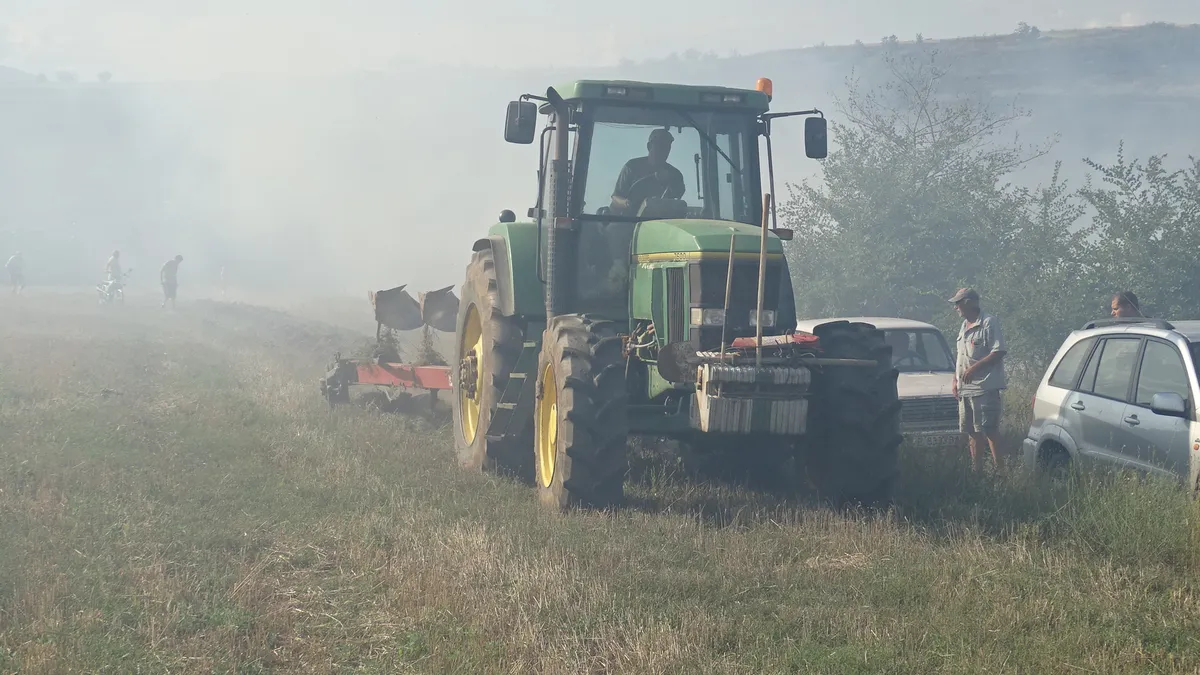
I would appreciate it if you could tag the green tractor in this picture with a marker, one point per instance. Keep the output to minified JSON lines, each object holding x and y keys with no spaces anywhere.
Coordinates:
{"x":643,"y":298}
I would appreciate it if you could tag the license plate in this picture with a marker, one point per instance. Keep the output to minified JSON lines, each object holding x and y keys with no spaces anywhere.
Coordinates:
{"x":933,"y":440}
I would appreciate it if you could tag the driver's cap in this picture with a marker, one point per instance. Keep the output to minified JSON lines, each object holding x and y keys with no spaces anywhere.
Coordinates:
{"x":661,"y":135}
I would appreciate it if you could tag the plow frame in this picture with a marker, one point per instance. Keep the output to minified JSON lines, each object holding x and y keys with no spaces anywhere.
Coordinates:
{"x":402,"y":377}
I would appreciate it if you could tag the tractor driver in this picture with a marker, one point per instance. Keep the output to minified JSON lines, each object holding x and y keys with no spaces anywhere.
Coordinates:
{"x":649,"y":176}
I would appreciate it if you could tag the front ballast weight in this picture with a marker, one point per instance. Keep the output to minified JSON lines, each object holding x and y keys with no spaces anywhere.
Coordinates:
{"x":749,"y":399}
{"x":735,"y":396}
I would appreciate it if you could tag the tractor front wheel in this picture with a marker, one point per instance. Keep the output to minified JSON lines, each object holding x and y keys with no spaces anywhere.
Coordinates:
{"x":581,"y":423}
{"x":853,"y":454}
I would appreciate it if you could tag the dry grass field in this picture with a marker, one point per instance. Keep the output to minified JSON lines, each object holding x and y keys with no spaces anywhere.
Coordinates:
{"x":176,"y":497}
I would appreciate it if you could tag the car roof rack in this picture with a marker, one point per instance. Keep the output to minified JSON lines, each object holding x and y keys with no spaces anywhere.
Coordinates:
{"x":1101,"y":323}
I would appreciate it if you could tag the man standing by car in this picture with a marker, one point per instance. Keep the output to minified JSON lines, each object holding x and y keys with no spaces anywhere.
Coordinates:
{"x":979,"y":376}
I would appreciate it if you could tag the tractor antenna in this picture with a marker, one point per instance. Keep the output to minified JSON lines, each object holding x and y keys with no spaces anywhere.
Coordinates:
{"x":728,"y":289}
{"x":762,"y":278}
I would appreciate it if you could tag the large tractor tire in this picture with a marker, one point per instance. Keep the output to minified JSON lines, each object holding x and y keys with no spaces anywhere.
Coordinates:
{"x":487,"y":345}
{"x":852,"y":456}
{"x":580,"y":416}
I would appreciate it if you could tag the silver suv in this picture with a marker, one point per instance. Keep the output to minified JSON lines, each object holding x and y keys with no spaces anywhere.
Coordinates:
{"x":1122,"y":393}
{"x":928,"y":409}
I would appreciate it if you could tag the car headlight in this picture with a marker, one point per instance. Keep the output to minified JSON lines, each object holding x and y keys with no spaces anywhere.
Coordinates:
{"x":768,"y":318}
{"x":708,"y":317}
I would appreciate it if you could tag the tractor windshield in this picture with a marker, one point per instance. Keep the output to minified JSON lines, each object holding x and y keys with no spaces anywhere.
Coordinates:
{"x":670,"y":162}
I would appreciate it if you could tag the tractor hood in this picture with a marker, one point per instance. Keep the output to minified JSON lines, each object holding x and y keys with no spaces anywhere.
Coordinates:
{"x":691,"y":236}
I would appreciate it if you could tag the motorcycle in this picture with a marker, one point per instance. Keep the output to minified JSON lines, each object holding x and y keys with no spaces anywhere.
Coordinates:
{"x":112,"y":290}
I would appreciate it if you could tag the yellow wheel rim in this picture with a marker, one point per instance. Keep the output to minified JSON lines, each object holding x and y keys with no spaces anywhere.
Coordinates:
{"x":547,"y":429}
{"x":472,"y":342}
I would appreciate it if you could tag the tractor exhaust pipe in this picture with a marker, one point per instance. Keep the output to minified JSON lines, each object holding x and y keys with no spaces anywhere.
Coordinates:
{"x":560,"y":237}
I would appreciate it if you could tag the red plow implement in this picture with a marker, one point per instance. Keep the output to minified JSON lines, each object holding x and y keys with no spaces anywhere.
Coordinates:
{"x":396,"y":310}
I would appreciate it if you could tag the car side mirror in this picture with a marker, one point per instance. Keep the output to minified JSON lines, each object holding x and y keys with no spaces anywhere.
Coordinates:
{"x":1168,"y":404}
{"x":816,"y":138}
{"x":520,"y":122}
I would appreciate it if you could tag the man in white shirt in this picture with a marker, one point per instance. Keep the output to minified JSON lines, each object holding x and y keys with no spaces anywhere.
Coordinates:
{"x":979,"y":376}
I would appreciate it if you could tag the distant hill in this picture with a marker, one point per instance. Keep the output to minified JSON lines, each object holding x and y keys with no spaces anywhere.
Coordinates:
{"x":14,"y":76}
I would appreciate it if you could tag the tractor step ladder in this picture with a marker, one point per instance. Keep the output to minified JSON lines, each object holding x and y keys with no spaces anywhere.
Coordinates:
{"x":510,"y":416}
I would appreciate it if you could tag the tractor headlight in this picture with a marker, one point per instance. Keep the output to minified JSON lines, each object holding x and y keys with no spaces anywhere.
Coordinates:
{"x":768,"y":318}
{"x":708,"y":317}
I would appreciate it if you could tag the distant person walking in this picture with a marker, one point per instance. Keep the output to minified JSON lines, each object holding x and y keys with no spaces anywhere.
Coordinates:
{"x":1125,"y":305}
{"x":16,"y":272}
{"x":112,"y":269}
{"x":169,"y":276}
{"x":979,"y":376}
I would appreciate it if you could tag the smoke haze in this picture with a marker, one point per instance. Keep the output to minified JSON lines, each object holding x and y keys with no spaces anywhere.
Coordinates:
{"x":315,"y":148}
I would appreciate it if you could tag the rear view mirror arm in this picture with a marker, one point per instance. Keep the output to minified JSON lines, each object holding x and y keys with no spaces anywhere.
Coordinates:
{"x":771,"y":116}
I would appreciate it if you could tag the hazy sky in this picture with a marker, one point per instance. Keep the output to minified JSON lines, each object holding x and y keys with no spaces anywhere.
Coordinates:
{"x":153,"y":39}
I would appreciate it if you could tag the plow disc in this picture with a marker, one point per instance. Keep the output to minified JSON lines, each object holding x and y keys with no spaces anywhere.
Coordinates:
{"x":439,"y":309}
{"x":398,"y":310}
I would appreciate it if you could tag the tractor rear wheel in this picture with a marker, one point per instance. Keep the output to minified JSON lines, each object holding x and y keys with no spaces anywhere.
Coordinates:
{"x":853,"y":454}
{"x":580,"y":416}
{"x":487,"y":347}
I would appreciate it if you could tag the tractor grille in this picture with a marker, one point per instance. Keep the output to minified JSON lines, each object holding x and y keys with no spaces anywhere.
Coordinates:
{"x":934,"y":413}
{"x":676,"y":311}
{"x":708,"y":287}
{"x":708,"y":290}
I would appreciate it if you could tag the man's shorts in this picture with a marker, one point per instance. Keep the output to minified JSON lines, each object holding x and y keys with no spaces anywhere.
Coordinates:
{"x":169,"y":290}
{"x":980,"y":413}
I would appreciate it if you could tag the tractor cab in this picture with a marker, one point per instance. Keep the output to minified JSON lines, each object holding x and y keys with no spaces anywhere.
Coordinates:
{"x":682,"y":160}
{"x":652,"y":151}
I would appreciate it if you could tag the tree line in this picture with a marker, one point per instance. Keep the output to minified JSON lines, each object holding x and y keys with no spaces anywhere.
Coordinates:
{"x":917,"y":200}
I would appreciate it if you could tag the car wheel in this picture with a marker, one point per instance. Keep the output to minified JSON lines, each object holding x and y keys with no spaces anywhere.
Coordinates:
{"x":1055,"y":461}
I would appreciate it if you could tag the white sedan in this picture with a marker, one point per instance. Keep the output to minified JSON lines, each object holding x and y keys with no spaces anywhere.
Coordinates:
{"x":929,"y":412}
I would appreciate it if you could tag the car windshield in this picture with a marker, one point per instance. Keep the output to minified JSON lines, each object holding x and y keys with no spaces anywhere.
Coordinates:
{"x":706,"y":159}
{"x":919,"y":350}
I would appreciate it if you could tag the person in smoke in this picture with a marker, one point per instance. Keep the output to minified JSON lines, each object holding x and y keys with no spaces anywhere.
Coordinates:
{"x":649,"y":176}
{"x":112,"y":270}
{"x":16,"y":272}
{"x":169,"y":277}
{"x":1125,"y":305}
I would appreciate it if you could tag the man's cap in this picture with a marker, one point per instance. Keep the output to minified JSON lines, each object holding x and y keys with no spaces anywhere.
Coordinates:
{"x":661,"y":135}
{"x":965,"y":294}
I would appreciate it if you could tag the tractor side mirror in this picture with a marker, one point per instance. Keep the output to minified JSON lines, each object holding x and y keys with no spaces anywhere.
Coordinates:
{"x":520,"y":122}
{"x":816,"y":139}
